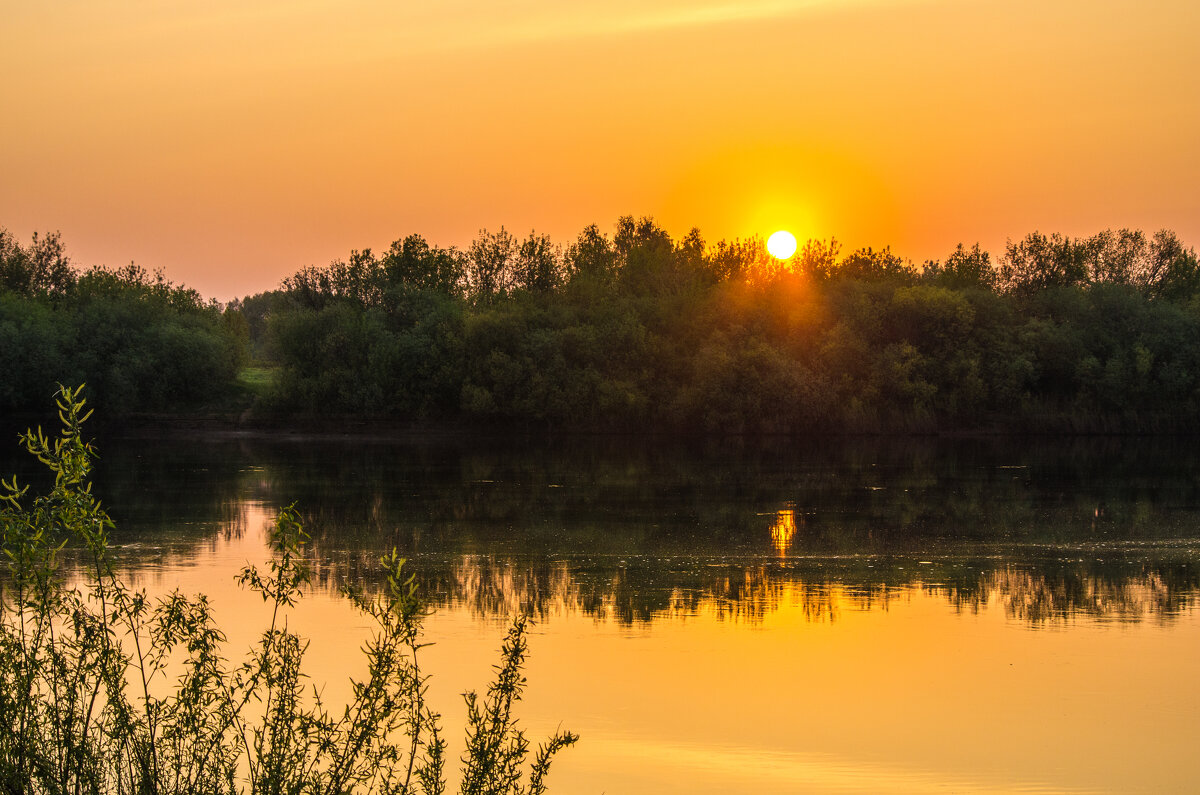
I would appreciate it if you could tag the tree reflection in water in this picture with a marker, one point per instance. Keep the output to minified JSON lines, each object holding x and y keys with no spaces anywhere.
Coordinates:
{"x":644,"y":590}
{"x":1046,"y":531}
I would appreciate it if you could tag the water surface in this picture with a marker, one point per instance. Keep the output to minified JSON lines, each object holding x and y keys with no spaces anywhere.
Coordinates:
{"x":851,"y":615}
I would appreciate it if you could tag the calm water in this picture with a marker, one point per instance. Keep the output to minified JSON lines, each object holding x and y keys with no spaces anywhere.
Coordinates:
{"x":838,"y":615}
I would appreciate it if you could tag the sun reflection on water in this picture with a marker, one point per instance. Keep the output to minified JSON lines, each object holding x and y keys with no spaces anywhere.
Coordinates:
{"x":783,"y":530}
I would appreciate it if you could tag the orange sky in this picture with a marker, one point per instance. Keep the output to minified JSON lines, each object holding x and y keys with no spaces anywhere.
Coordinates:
{"x":232,"y":142}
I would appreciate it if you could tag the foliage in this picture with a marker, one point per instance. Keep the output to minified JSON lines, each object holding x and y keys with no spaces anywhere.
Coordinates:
{"x":143,"y":343}
{"x":87,"y":694}
{"x":637,"y":331}
{"x":640,"y":331}
{"x":42,"y":268}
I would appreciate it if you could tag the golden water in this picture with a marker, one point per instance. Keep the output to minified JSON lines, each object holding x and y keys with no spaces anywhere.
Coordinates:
{"x":775,"y":684}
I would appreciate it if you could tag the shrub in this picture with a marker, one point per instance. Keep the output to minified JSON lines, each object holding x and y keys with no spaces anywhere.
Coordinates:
{"x":80,"y":667}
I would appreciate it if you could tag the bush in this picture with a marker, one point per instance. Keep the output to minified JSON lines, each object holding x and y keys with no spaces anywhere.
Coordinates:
{"x":80,"y":666}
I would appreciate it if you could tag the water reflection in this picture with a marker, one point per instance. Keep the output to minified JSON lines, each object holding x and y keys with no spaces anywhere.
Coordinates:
{"x":851,"y":616}
{"x":1045,"y":532}
{"x":1122,"y":586}
{"x":489,"y":588}
{"x":783,"y":530}
{"x":1158,"y":593}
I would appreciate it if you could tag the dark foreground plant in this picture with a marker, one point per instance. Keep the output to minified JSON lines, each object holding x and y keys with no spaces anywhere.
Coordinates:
{"x":103,"y":690}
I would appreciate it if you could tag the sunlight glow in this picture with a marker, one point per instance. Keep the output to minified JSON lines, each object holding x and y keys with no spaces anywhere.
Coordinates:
{"x":782,"y":244}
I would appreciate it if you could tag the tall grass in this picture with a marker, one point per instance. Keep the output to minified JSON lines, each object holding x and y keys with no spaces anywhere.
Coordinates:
{"x":103,"y":690}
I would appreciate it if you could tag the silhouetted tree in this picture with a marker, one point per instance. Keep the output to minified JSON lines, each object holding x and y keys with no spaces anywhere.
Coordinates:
{"x":963,"y":269}
{"x":41,"y":268}
{"x":490,"y":265}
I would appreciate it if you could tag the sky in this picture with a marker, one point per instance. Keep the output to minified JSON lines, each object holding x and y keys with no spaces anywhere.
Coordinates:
{"x":231,"y":143}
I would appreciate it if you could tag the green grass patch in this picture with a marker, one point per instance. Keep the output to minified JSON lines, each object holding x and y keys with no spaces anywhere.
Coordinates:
{"x":258,"y":380}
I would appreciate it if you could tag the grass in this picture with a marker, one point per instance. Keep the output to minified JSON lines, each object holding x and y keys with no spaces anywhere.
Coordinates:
{"x":258,"y":380}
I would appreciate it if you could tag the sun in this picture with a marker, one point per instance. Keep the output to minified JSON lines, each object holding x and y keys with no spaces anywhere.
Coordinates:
{"x":782,"y":244}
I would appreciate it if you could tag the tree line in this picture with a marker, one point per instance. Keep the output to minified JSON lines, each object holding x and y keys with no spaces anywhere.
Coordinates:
{"x":140,"y":342}
{"x":639,"y":331}
{"x":636,"y":330}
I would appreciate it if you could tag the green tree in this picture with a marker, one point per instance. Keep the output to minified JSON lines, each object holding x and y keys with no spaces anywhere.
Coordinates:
{"x":41,"y":268}
{"x":965,"y":268}
{"x":537,"y":268}
{"x":413,"y":263}
{"x":1038,"y":262}
{"x":490,"y":265}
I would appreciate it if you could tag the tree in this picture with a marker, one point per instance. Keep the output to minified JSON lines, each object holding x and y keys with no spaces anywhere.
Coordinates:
{"x":818,"y":259}
{"x":412,"y":262}
{"x":591,"y":257}
{"x":1038,"y":262}
{"x":737,"y":259}
{"x":42,"y":268}
{"x":1172,"y":271}
{"x":1116,"y":257}
{"x":490,"y":265}
{"x":867,"y":264}
{"x":537,"y":265}
{"x":964,"y":268}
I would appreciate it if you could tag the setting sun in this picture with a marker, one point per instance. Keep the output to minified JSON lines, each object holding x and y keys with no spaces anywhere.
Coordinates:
{"x":782,"y":244}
